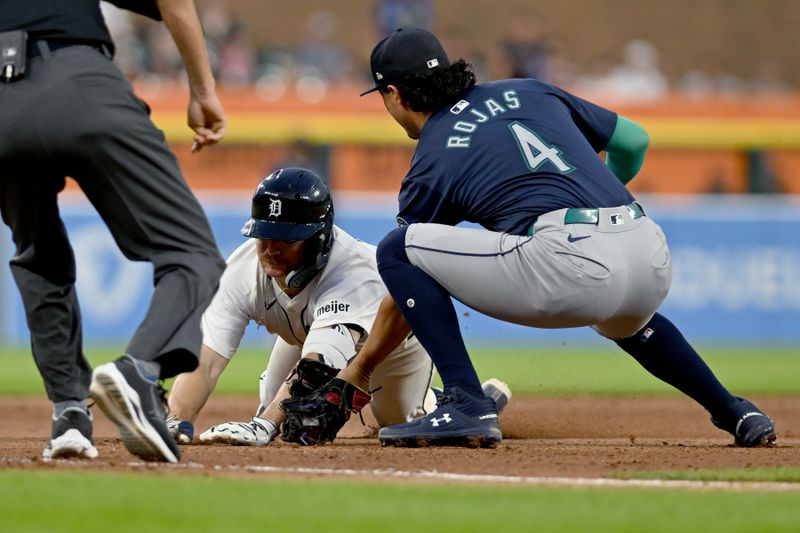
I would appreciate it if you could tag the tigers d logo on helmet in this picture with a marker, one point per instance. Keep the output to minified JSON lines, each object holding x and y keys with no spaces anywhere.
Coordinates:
{"x":274,"y":208}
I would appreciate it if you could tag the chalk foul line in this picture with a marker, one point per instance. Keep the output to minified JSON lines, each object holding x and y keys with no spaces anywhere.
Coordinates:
{"x":549,"y":481}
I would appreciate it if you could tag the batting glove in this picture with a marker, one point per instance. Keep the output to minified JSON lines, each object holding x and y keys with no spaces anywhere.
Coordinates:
{"x":259,"y":432}
{"x":181,"y":430}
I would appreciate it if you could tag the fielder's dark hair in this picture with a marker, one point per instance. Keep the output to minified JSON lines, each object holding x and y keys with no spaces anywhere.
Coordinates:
{"x":443,"y":87}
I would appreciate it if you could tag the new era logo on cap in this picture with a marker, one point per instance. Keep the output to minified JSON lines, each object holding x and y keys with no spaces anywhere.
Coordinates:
{"x":433,"y":63}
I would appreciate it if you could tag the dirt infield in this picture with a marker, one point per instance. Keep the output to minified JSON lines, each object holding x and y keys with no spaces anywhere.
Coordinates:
{"x":570,"y":437}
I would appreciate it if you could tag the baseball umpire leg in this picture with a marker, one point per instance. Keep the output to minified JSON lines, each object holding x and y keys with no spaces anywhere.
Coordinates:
{"x":134,"y":182}
{"x":170,"y":231}
{"x":44,"y":270}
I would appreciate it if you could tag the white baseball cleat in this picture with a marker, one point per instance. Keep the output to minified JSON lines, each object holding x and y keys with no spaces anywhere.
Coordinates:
{"x":258,"y":432}
{"x":498,"y":391}
{"x":72,"y":436}
{"x":493,"y":388}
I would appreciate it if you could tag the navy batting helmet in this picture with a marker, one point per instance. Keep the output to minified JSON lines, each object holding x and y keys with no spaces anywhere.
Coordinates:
{"x":291,"y":204}
{"x":294,"y":204}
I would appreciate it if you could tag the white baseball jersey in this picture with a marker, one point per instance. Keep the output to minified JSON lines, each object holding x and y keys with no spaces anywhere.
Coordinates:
{"x":347,"y":291}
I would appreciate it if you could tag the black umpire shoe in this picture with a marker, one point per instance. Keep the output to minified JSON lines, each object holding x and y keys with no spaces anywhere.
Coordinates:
{"x":749,"y":426}
{"x":135,"y":404}
{"x":459,"y":420}
{"x":71,"y":436}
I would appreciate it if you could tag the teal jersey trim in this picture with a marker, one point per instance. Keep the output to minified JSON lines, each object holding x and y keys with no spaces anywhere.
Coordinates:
{"x":626,"y":149}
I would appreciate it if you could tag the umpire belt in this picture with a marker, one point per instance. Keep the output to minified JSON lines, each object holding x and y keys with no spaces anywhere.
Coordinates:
{"x":44,"y":47}
{"x":589,"y":215}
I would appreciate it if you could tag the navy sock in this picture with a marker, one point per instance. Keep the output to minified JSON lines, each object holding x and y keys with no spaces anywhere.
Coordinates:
{"x":427,"y":308}
{"x":665,"y":353}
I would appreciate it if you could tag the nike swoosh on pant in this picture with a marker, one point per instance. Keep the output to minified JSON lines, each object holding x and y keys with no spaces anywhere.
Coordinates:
{"x":570,"y":238}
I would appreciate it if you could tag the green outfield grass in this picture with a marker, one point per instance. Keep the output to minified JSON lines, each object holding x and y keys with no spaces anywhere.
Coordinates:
{"x":555,"y":370}
{"x":78,"y":501}
{"x":783,"y":475}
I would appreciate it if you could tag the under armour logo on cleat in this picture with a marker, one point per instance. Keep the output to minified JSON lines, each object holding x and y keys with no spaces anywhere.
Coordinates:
{"x":445,"y":418}
{"x":570,"y":238}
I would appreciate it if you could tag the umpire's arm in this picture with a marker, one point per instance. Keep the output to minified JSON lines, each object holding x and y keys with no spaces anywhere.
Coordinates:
{"x":205,"y":116}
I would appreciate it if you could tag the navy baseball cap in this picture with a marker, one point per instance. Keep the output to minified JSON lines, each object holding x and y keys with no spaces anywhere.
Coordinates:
{"x":406,"y":51}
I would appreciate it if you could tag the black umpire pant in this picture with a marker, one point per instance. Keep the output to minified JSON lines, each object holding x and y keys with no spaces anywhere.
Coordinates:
{"x":75,"y":115}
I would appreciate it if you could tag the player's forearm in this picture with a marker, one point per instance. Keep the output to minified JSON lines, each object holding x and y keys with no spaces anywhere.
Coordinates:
{"x":191,"y":390}
{"x":180,"y":18}
{"x":189,"y":394}
{"x":388,"y":331}
{"x":273,"y":412}
{"x":626,"y":149}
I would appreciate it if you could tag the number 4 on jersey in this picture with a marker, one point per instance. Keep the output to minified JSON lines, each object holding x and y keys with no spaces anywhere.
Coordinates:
{"x":535,"y":151}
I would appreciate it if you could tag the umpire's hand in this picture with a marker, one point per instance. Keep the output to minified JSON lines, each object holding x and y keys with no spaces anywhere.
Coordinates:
{"x":207,"y":119}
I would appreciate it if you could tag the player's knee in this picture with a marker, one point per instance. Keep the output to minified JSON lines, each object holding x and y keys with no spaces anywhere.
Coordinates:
{"x":392,"y":249}
{"x":201,"y":271}
{"x":209,"y":269}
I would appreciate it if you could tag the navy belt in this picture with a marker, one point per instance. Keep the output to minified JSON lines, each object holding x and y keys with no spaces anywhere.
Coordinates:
{"x":57,"y":44}
{"x":588,"y":215}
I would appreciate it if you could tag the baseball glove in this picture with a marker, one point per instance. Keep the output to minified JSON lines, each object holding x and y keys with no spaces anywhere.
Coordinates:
{"x":318,"y":417}
{"x":310,"y":375}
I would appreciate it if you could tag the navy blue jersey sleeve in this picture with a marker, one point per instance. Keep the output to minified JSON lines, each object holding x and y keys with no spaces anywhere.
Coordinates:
{"x":421,"y":203}
{"x":423,"y":197}
{"x":424,"y":193}
{"x":595,"y":122}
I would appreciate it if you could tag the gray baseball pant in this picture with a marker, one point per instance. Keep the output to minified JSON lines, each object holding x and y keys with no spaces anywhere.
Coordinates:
{"x":75,"y":115}
{"x":612,"y":275}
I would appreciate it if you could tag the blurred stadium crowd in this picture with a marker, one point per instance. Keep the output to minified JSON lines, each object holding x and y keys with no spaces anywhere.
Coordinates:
{"x":715,"y":82}
{"x":243,"y":56}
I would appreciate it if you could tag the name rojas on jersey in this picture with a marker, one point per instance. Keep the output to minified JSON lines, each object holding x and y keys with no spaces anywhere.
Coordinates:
{"x":492,"y":109}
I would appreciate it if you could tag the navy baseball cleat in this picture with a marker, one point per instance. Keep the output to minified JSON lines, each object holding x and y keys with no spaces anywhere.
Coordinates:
{"x":135,"y":404}
{"x":493,"y":388}
{"x":181,"y":430}
{"x":749,"y":426}
{"x":459,"y":420}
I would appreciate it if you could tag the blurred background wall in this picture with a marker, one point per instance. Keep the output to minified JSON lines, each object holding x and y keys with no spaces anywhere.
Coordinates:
{"x":715,"y":82}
